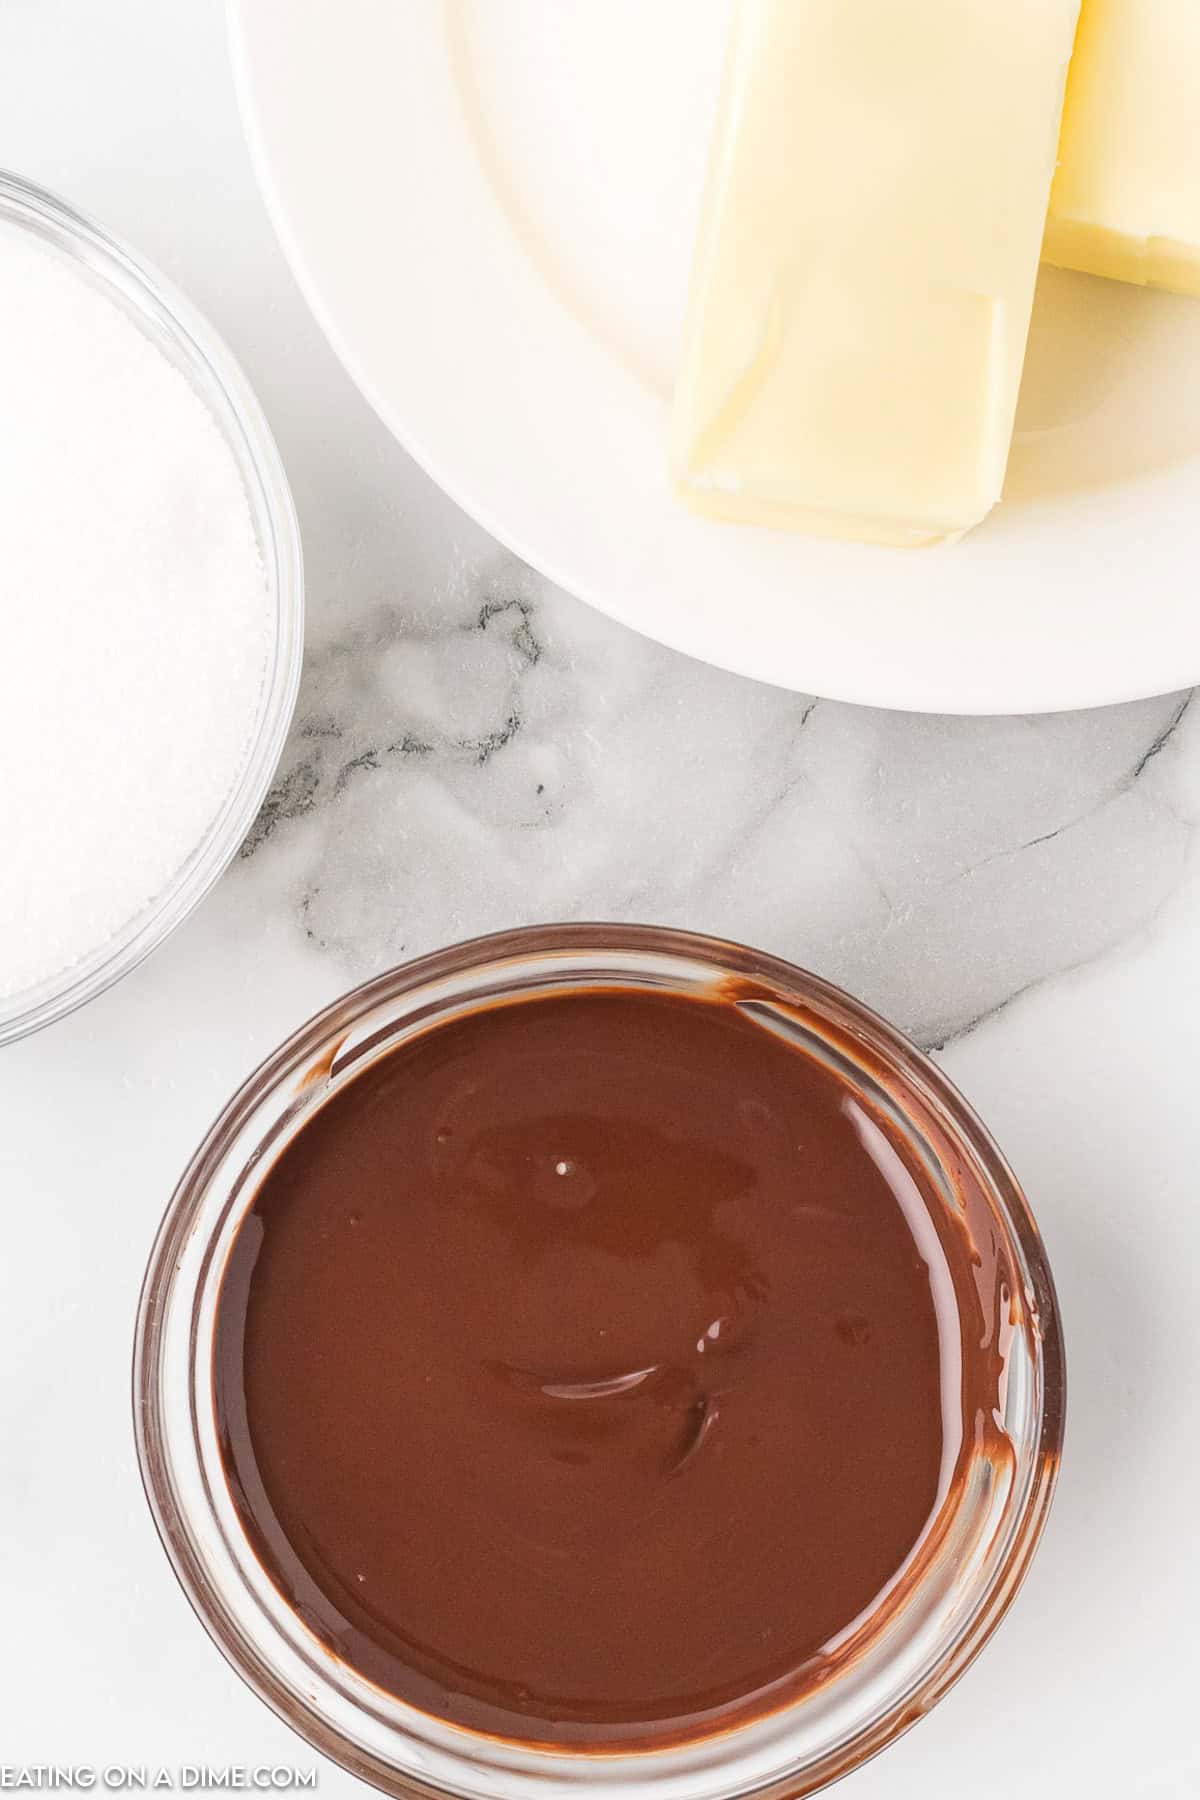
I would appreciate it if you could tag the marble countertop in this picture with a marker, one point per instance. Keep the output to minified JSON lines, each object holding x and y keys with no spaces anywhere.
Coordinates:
{"x":473,"y":749}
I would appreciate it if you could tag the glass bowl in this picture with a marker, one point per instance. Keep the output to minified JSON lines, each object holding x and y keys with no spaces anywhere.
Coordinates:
{"x":191,"y":345}
{"x":932,"y":1626}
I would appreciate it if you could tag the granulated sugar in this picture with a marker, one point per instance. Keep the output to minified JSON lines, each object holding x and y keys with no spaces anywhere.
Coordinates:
{"x":134,"y":619}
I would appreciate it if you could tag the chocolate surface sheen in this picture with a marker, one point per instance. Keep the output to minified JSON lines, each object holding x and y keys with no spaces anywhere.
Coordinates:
{"x":580,"y":1365}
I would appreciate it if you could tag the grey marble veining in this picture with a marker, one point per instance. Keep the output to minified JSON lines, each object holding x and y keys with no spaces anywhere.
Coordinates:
{"x":471,"y":750}
{"x":490,"y":752}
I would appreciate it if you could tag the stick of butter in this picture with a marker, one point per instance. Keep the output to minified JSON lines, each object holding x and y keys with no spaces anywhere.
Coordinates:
{"x":1126,"y":199}
{"x":865,"y":267}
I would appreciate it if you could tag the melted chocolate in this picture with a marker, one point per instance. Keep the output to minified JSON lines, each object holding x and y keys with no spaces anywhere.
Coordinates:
{"x":580,"y":1367}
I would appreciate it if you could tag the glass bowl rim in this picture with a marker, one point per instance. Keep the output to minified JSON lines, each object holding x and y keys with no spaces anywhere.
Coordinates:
{"x":313,"y":1049}
{"x":163,"y":313}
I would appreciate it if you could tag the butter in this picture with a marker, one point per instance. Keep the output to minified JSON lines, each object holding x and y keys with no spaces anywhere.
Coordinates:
{"x":865,"y":267}
{"x":1126,"y":199}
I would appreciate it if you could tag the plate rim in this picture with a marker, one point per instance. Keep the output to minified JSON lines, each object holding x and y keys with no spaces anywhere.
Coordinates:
{"x":1108,"y":691}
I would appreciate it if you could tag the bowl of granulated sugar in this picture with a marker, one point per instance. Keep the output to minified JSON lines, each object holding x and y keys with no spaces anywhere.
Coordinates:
{"x":151,"y":599}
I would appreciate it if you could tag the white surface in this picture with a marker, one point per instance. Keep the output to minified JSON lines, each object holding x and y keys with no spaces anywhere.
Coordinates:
{"x":491,"y":209}
{"x":936,"y":866}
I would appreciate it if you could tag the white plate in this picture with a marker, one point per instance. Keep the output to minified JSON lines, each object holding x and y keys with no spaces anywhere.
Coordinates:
{"x":490,"y":205}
